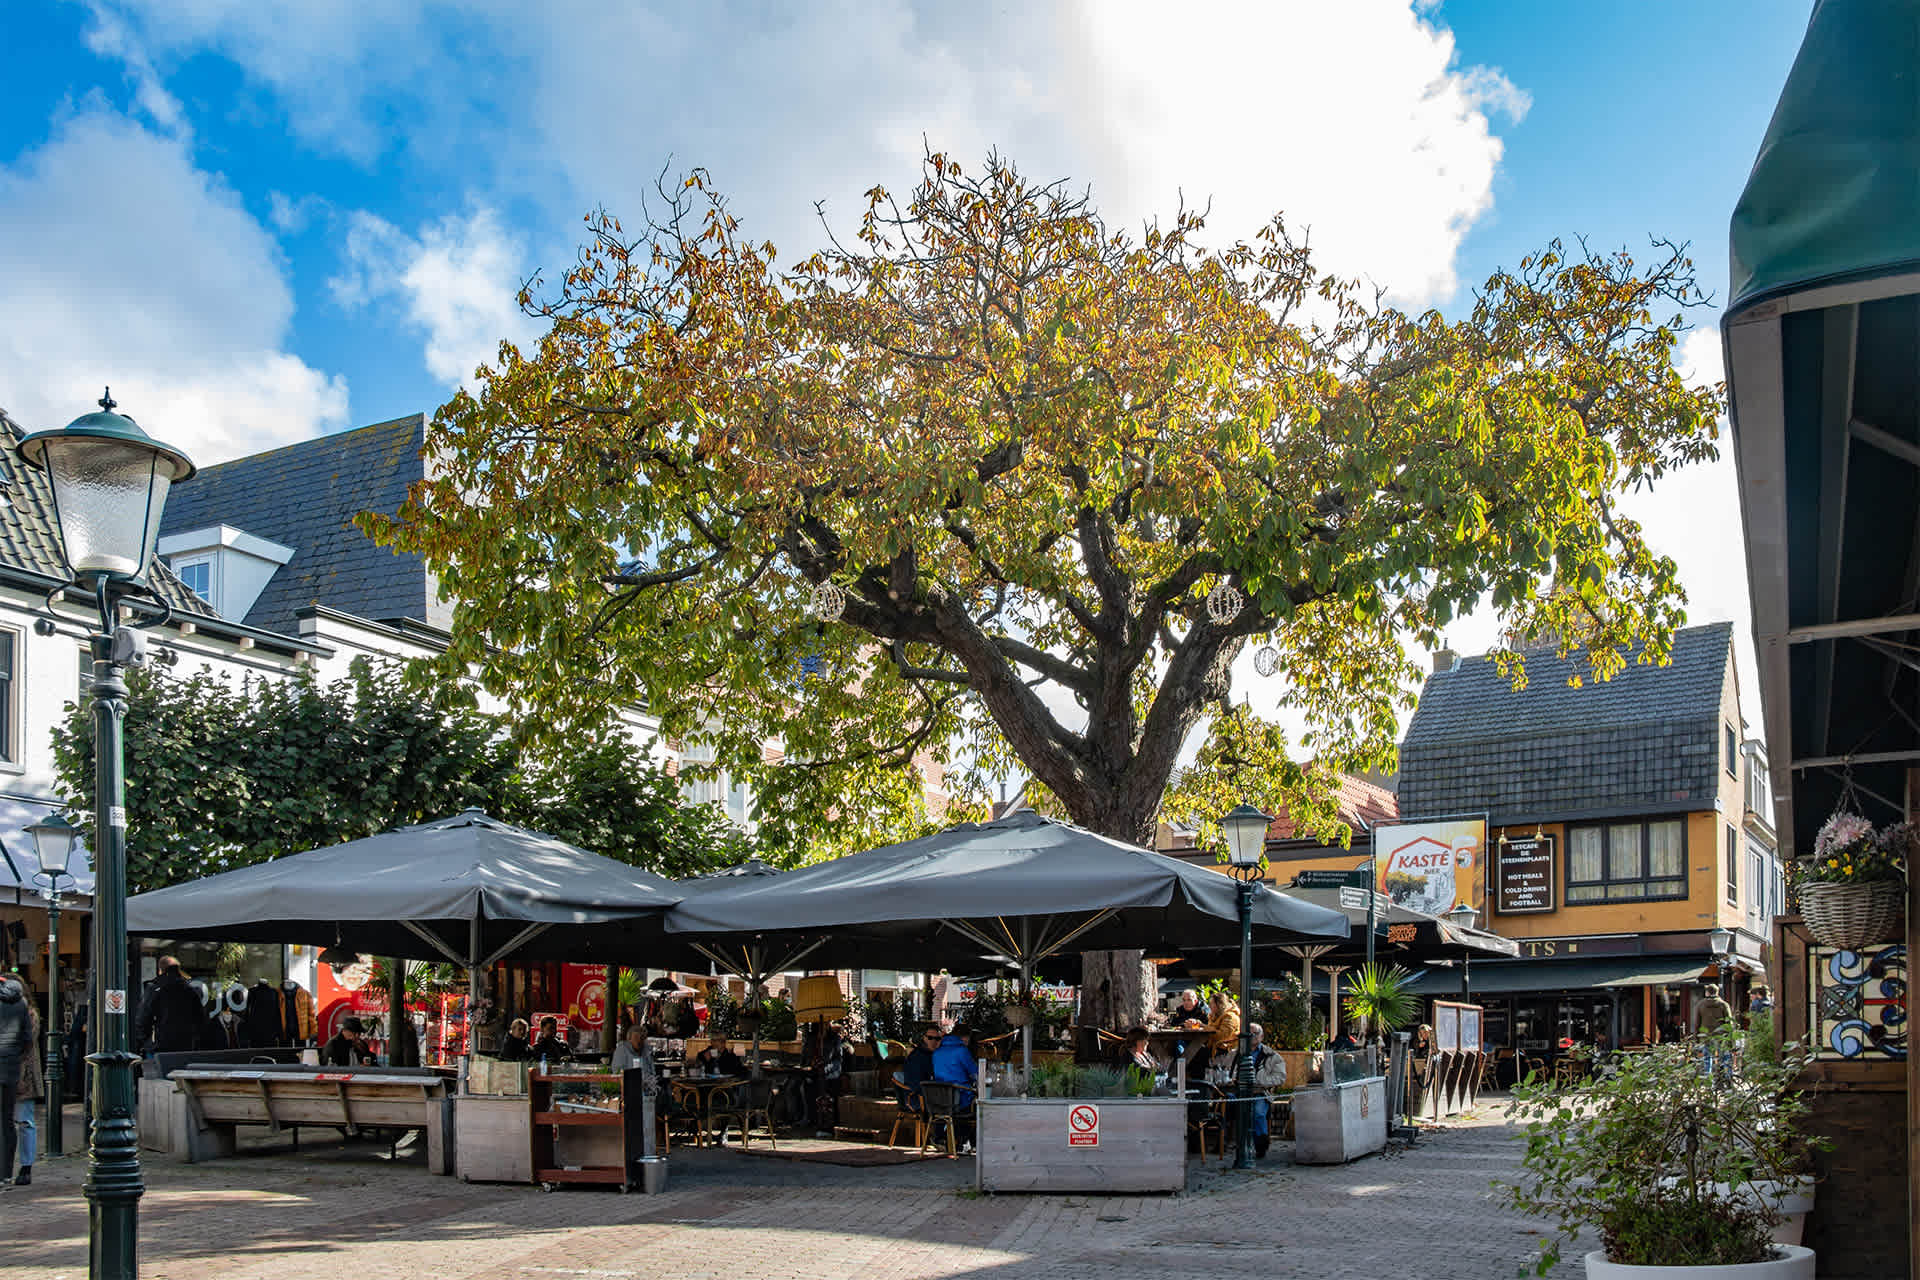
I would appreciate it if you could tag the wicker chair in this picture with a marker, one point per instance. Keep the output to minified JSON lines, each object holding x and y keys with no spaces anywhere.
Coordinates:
{"x":685,"y":1111}
{"x":944,"y":1111}
{"x":1209,"y":1116}
{"x":754,"y":1098}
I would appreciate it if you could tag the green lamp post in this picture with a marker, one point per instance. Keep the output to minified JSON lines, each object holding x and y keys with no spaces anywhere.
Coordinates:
{"x":110,"y":481}
{"x":1246,"y":829}
{"x":53,"y":842}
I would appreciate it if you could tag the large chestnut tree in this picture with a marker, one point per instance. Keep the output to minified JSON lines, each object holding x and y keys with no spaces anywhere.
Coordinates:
{"x":992,"y":483}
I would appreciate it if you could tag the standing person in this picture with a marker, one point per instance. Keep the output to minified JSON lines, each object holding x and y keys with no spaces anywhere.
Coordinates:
{"x":32,"y":1088}
{"x":16,"y":1042}
{"x":1713,"y":1015}
{"x":1269,"y":1073}
{"x":174,"y":1020}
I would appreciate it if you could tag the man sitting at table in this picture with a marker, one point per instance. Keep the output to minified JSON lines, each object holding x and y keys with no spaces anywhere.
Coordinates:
{"x":549,"y":1047}
{"x":953,"y":1064}
{"x":632,"y":1050}
{"x":917,"y":1070}
{"x":1269,"y":1073}
{"x":347,"y":1049}
{"x":719,"y":1060}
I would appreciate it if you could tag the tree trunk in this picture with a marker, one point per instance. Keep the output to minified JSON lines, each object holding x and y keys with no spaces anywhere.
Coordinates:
{"x":398,"y":1027}
{"x":1117,"y":988}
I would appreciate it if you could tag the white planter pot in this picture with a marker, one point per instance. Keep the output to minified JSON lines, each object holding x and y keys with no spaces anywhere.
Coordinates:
{"x":1792,"y":1200}
{"x":1795,"y":1263}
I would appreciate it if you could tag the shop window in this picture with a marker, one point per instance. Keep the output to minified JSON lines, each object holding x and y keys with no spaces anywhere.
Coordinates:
{"x":1627,"y":861}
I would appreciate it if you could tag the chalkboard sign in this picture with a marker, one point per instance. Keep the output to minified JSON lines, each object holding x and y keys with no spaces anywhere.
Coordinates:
{"x":1523,"y":876}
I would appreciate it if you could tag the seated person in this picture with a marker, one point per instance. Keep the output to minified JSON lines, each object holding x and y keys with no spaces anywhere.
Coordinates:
{"x":953,"y":1064}
{"x":518,"y":1045}
{"x":1137,"y":1051}
{"x":1269,"y":1073}
{"x":1223,"y":1031}
{"x":347,"y":1049}
{"x":632,"y":1050}
{"x":719,"y":1060}
{"x":549,"y":1046}
{"x":1189,"y":1012}
{"x":917,"y":1070}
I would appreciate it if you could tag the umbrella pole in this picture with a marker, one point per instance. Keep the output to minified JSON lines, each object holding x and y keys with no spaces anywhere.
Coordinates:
{"x":1026,"y":1032}
{"x":473,"y":1003}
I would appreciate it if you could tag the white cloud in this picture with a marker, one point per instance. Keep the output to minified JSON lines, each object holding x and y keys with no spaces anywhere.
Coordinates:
{"x":1356,"y":118}
{"x":456,"y":281}
{"x":122,"y":263}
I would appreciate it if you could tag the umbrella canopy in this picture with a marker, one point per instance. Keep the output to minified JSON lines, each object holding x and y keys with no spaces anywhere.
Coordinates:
{"x":470,"y":889}
{"x":1822,"y":338}
{"x":1023,"y":887}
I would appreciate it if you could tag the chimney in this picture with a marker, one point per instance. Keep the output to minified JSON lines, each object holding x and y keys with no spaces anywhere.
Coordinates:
{"x":1444,"y":658}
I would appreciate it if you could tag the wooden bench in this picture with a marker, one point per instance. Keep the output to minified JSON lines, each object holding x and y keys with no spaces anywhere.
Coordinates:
{"x":218,"y":1101}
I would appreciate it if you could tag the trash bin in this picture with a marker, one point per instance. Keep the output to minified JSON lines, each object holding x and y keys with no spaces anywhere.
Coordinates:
{"x":653,"y":1174}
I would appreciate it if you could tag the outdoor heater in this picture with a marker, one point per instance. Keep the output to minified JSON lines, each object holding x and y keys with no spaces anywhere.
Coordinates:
{"x":110,"y":481}
{"x":1246,"y":829}
{"x":54,"y":839}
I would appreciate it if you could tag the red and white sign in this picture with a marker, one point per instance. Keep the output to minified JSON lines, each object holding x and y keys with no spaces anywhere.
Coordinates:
{"x":1083,"y":1125}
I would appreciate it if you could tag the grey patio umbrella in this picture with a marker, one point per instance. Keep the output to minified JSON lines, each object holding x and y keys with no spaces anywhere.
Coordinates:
{"x":1023,"y":887}
{"x":470,"y":889}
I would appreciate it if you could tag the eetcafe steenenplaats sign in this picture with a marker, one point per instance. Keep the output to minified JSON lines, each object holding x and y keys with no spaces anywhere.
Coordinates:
{"x":1523,"y":875}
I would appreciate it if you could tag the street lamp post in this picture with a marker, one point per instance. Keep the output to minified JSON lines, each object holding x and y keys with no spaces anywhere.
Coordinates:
{"x":1465,"y":915}
{"x":53,"y":841}
{"x":110,"y":481}
{"x":1246,"y":829}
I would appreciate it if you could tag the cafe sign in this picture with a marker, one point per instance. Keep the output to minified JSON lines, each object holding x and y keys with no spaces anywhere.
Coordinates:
{"x":1523,"y":877}
{"x":1430,"y":866}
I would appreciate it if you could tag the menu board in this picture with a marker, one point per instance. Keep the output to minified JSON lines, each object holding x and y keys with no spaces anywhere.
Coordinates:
{"x":1446,"y":1027}
{"x":1523,"y":876}
{"x":1470,"y":1028}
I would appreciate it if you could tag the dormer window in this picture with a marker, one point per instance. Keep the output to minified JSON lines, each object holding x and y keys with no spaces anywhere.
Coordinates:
{"x":197,"y":575}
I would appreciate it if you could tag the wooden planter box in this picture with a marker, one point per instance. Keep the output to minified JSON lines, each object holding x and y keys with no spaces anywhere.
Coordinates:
{"x":1335,"y":1123}
{"x":1023,"y":1145}
{"x":491,"y":1139}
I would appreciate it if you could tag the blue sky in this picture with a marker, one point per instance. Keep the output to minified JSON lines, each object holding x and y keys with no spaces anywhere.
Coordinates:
{"x":262,"y":219}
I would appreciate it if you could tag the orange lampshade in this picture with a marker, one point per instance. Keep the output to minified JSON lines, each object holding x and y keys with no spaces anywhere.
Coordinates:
{"x":818,"y":996}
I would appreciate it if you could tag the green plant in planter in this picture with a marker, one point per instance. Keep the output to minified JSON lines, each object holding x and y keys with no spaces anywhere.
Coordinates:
{"x":1659,"y":1157}
{"x":1052,"y":1080}
{"x":1101,"y":1082}
{"x":1381,"y":996}
{"x":1140,"y":1083}
{"x":723,"y":1014}
{"x":776,"y":1020}
{"x":1291,"y":1021}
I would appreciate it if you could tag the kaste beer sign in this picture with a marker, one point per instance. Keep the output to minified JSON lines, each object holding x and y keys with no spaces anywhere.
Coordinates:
{"x":1523,"y":876}
{"x":1431,"y":866}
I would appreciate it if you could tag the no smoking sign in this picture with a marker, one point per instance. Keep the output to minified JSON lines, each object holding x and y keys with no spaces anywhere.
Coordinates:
{"x":1083,"y":1125}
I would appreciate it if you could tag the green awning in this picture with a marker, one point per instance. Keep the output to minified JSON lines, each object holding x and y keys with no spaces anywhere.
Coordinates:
{"x":1835,"y":189}
{"x":1508,"y":977}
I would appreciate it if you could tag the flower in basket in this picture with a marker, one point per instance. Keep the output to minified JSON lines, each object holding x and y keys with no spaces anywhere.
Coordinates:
{"x":1849,"y":851}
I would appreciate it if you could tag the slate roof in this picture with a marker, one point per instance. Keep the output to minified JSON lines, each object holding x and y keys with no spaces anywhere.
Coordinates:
{"x":1647,"y":741}
{"x":305,"y":496}
{"x":30,"y":532}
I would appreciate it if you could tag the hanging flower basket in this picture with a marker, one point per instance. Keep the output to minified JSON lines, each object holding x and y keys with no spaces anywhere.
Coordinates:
{"x":1018,"y":1016}
{"x":1853,"y":916}
{"x":1853,"y":891}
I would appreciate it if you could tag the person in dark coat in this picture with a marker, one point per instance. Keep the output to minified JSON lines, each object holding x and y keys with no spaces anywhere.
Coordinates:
{"x":549,"y":1047}
{"x":347,"y":1049}
{"x":16,"y":1040}
{"x":917,"y":1070}
{"x":174,"y":1020}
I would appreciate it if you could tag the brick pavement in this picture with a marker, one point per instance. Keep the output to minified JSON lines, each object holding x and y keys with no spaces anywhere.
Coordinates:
{"x":341,"y":1212}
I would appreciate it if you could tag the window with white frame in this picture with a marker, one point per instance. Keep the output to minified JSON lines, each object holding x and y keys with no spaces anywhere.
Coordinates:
{"x":714,"y":787}
{"x":9,"y":696}
{"x":1759,"y":885}
{"x":197,"y":574}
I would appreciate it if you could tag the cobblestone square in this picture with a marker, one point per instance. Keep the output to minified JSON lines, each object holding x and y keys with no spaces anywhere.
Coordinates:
{"x":343,"y":1212}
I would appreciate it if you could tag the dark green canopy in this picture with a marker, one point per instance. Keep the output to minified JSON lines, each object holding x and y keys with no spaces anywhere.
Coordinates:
{"x":1823,"y":368}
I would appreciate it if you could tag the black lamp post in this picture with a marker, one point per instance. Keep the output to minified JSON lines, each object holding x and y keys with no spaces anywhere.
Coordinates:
{"x":1465,"y":916}
{"x":110,"y":482}
{"x":1246,"y":829}
{"x":53,"y":841}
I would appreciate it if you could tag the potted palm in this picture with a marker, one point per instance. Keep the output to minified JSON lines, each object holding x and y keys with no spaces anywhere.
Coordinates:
{"x":1677,"y":1161}
{"x":1853,"y":889}
{"x":1380,"y":998}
